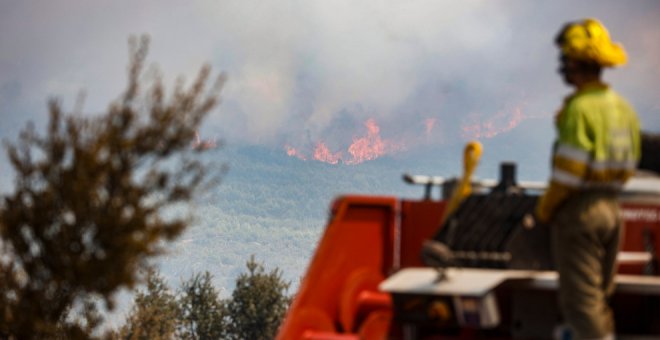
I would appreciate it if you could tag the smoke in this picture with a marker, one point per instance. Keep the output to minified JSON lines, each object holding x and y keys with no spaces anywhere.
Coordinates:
{"x":308,"y":74}
{"x":304,"y":75}
{"x":364,"y":60}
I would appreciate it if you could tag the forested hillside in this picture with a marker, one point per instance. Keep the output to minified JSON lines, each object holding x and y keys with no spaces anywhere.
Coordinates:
{"x":272,"y":206}
{"x":275,"y":206}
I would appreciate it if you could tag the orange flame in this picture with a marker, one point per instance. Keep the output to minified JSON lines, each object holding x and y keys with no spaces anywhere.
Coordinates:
{"x":372,"y":146}
{"x":323,"y":154}
{"x":429,"y":123}
{"x":365,"y":148}
{"x":369,"y":147}
{"x":293,"y":152}
{"x":206,"y":144}
{"x":501,"y":122}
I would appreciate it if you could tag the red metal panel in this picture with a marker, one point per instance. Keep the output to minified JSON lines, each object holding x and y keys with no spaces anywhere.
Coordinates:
{"x":420,"y":220}
{"x":359,"y":236}
{"x":641,"y":233}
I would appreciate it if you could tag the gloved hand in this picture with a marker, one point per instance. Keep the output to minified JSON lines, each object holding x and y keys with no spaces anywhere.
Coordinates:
{"x":529,"y":221}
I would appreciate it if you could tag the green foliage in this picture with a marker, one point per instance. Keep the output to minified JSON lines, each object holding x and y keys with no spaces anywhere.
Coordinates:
{"x":258,"y":303}
{"x":86,"y":213}
{"x":254,"y":311}
{"x":203,"y":315}
{"x":155,"y":314}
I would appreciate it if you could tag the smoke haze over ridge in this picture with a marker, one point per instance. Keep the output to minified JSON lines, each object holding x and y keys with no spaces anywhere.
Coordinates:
{"x":301,"y":72}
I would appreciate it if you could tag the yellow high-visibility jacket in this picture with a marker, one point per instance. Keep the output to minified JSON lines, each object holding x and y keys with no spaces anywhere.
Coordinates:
{"x":598,"y":146}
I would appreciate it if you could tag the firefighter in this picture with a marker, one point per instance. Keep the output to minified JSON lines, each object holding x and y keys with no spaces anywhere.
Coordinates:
{"x":596,"y":151}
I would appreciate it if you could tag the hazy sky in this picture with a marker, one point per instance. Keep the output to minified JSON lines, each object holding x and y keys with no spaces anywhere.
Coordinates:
{"x":305,"y":71}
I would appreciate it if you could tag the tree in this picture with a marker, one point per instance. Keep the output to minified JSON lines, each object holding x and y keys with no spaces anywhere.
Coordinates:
{"x":203,"y":314}
{"x":155,"y":314}
{"x":85,"y":215}
{"x":258,"y":303}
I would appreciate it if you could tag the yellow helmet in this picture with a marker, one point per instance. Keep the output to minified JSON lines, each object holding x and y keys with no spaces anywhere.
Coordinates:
{"x":589,"y":41}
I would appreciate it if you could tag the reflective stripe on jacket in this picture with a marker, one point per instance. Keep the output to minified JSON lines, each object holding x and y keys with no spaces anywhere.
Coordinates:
{"x":598,"y":146}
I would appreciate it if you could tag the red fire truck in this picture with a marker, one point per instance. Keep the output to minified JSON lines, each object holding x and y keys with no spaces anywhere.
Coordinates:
{"x":367,"y":279}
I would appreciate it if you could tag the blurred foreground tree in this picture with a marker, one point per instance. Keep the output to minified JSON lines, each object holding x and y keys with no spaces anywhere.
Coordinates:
{"x":155,"y":313}
{"x":254,"y":311}
{"x":203,"y":314}
{"x":85,"y":215}
{"x":258,"y":303}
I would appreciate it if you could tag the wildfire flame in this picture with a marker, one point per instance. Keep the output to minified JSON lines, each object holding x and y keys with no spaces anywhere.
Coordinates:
{"x":323,"y":154}
{"x":372,"y":146}
{"x":293,"y":152}
{"x":369,"y":147}
{"x":429,"y":123}
{"x":199,"y":144}
{"x":364,"y":148}
{"x":499,"y":123}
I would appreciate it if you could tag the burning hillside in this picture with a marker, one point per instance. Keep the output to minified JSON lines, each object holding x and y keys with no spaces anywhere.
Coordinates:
{"x":370,"y":145}
{"x":363,"y":148}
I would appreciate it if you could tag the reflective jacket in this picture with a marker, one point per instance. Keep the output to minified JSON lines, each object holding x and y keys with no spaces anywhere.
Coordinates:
{"x":598,"y":146}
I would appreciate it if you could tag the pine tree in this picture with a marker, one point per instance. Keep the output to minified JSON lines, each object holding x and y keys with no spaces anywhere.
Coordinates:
{"x":258,"y":303}
{"x":203,"y":314}
{"x":155,"y":314}
{"x":85,"y":215}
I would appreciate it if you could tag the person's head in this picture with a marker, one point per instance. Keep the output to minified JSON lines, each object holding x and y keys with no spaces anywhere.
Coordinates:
{"x":585,"y":49}
{"x":577,"y":72}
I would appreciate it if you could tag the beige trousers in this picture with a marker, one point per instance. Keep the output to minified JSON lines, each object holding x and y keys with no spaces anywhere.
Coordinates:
{"x":586,"y":232}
